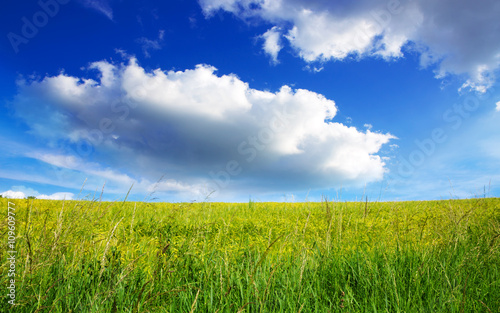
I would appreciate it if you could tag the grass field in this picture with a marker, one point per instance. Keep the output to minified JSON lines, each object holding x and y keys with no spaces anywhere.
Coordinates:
{"x":92,"y":256}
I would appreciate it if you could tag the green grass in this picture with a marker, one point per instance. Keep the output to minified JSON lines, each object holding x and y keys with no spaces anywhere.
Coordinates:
{"x":88,"y":256}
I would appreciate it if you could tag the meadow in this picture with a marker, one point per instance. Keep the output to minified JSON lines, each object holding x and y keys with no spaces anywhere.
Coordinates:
{"x":329,"y":256}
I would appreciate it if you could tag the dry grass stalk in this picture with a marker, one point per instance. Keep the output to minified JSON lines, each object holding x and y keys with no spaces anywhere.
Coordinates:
{"x":103,"y":260}
{"x":193,"y":306}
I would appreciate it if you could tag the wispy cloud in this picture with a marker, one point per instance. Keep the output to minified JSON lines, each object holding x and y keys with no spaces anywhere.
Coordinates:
{"x":149,"y":45}
{"x":101,"y":6}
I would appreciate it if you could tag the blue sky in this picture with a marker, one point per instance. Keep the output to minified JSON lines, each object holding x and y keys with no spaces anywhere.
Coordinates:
{"x":235,"y":99}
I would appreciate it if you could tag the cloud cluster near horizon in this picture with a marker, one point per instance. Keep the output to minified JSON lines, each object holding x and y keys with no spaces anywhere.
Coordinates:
{"x":197,"y":128}
{"x":456,"y":37}
{"x":21,"y":192}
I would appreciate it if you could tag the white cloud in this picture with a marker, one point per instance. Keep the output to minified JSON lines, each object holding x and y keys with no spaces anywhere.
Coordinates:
{"x":13,"y":194}
{"x":457,"y":37}
{"x":192,"y":126}
{"x":22,"y":192}
{"x":57,"y":196}
{"x":498,"y":106}
{"x":368,"y":126}
{"x":272,"y":44}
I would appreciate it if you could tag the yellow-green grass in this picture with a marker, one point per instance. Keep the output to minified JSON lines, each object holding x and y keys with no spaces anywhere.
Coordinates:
{"x":92,"y":256}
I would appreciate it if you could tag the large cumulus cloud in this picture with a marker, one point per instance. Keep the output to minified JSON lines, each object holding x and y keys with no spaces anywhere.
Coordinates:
{"x":199,"y":129}
{"x":457,"y":37}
